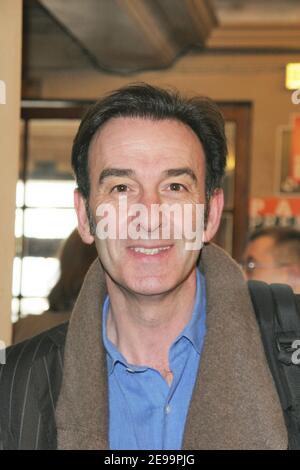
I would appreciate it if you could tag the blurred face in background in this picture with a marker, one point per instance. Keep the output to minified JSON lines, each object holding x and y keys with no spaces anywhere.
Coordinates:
{"x":262,"y":261}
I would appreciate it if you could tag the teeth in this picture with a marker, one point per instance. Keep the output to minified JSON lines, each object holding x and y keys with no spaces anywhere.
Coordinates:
{"x":150,"y":251}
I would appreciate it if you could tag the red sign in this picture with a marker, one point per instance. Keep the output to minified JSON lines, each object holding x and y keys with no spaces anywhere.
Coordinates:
{"x":279,"y":206}
{"x":271,"y":211}
{"x":295,"y":151}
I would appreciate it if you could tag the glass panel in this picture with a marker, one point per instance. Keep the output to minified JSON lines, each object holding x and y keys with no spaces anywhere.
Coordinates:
{"x":42,"y":193}
{"x":38,"y":276}
{"x":15,"y":306}
{"x":33,"y":306}
{"x":16,"y":283}
{"x":49,"y":223}
{"x":19,"y":223}
{"x":230,"y":131}
{"x":44,"y":214}
{"x":20,"y":194}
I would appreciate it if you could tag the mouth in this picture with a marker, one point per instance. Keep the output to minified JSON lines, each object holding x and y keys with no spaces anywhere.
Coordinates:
{"x":150,"y":251}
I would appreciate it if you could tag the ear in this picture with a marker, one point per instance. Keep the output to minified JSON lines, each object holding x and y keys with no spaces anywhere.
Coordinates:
{"x":82,"y":217}
{"x":216,"y":205}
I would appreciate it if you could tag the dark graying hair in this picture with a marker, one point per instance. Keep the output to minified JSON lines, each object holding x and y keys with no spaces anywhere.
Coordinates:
{"x":286,"y":242}
{"x":145,"y":101}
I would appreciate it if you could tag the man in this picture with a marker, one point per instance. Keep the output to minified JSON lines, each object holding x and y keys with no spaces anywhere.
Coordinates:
{"x":162,"y":350}
{"x":272,"y":255}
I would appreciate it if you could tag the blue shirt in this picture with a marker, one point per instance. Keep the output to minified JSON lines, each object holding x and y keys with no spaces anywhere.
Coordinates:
{"x":145,"y":413}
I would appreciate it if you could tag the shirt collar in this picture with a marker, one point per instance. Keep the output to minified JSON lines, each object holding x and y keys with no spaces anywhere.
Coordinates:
{"x":193,"y":331}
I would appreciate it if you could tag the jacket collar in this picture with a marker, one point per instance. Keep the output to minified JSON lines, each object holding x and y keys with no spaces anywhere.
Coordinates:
{"x":234,"y":403}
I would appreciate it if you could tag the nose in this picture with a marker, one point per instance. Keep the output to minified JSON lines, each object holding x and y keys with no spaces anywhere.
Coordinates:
{"x":149,"y":217}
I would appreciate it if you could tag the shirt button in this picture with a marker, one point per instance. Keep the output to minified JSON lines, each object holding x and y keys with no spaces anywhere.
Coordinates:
{"x":167,"y":409}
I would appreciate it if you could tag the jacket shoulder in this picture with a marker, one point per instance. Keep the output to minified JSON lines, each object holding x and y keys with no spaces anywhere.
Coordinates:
{"x":20,"y":357}
{"x":30,"y":381}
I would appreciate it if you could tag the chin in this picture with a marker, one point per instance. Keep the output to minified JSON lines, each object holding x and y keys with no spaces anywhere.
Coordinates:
{"x":149,"y":285}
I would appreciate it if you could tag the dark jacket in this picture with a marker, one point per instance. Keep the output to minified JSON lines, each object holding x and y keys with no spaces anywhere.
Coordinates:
{"x":29,"y":387}
{"x":234,"y":403}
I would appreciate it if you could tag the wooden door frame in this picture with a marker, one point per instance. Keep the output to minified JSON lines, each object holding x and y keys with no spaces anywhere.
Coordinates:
{"x":240,"y":113}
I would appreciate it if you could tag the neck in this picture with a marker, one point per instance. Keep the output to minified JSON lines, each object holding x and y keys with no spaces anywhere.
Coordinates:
{"x":144,"y":327}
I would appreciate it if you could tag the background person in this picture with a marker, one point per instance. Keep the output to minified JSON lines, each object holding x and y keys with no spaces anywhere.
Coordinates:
{"x":272,"y":255}
{"x":75,"y":260}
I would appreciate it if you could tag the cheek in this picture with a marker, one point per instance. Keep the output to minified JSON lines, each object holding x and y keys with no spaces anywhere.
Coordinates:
{"x":280,"y":276}
{"x":186,"y":222}
{"x":187,"y":257}
{"x":109,"y":253}
{"x":269,"y":276}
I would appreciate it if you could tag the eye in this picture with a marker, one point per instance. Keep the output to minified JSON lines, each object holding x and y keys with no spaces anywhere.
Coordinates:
{"x":177,"y":187}
{"x":119,"y":188}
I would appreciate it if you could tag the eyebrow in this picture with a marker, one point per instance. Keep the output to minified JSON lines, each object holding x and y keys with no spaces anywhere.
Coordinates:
{"x":110,"y":172}
{"x":181,"y":171}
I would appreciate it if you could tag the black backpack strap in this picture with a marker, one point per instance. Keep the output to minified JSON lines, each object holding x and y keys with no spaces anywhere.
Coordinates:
{"x":264,"y":308}
{"x":279,"y":321}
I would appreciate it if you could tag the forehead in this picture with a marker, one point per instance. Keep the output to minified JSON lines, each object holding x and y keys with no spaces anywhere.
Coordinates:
{"x":146,"y":140}
{"x":261,"y":247}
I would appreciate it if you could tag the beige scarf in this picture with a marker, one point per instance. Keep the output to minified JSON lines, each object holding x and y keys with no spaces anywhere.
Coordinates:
{"x":234,"y":403}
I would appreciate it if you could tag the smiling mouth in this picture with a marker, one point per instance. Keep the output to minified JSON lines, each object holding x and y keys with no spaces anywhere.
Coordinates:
{"x":150,"y":251}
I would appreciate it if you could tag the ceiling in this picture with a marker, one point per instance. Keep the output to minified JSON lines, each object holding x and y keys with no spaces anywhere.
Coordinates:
{"x":125,"y":36}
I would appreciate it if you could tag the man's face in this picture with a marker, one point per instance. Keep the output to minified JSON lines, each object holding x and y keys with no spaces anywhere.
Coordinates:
{"x":260,"y":262}
{"x":148,"y":162}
